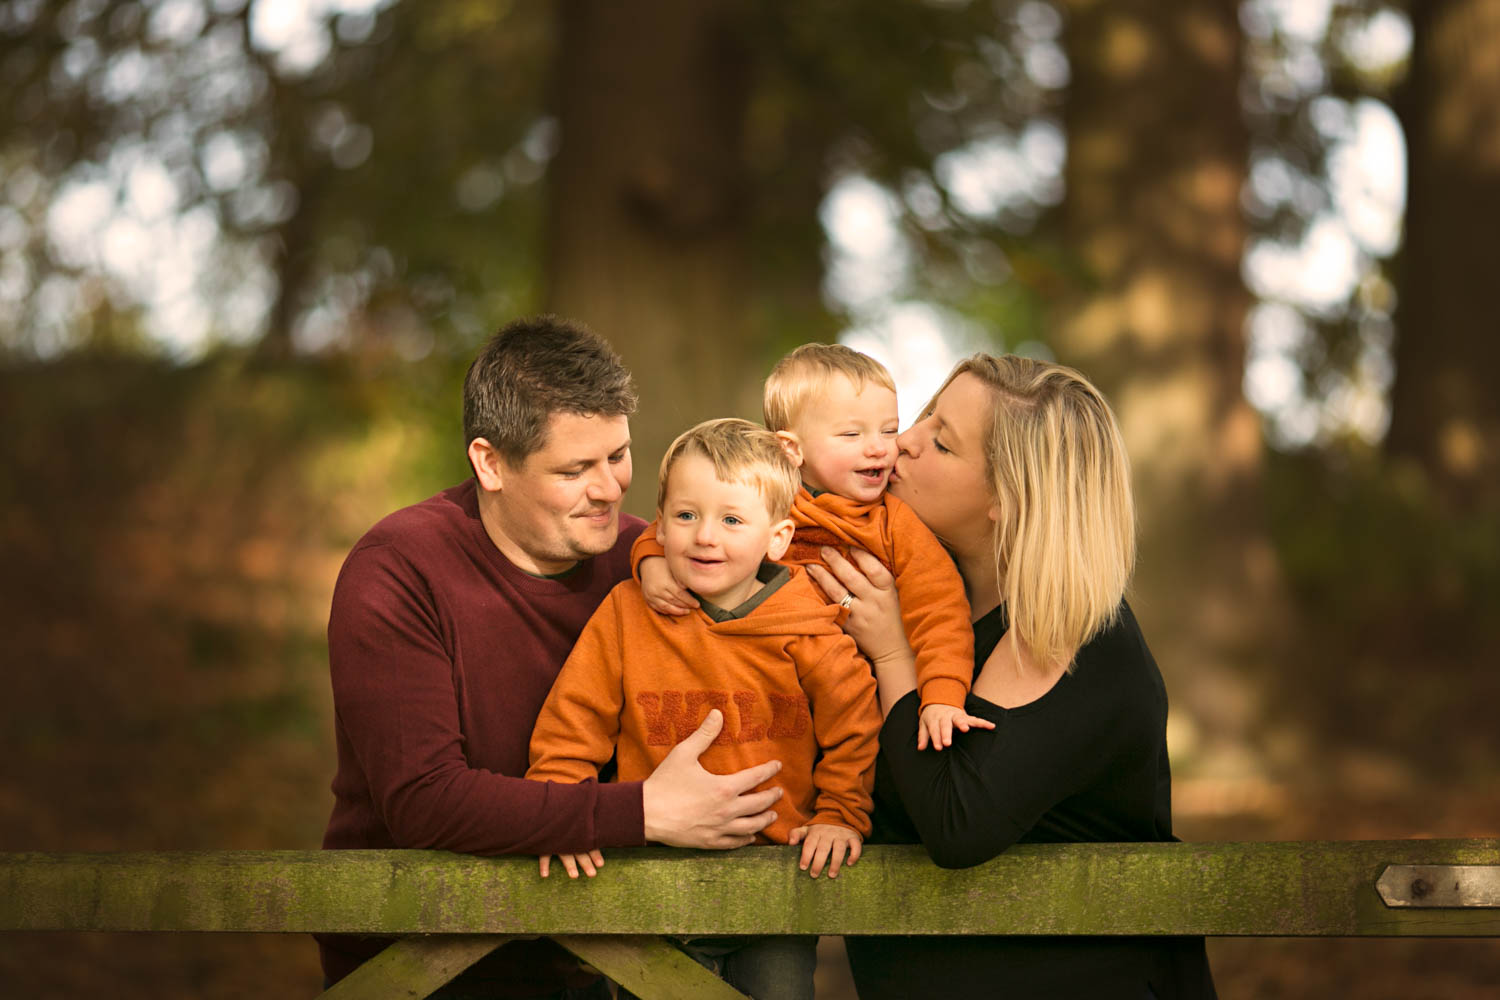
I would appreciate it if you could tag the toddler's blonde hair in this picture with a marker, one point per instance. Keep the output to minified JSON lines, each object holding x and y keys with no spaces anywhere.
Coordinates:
{"x":806,"y":372}
{"x":740,"y":452}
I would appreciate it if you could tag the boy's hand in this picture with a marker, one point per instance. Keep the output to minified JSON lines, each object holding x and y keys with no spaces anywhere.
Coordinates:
{"x":663,"y":593}
{"x":937,"y":723}
{"x":590,"y":863}
{"x":825,"y":842}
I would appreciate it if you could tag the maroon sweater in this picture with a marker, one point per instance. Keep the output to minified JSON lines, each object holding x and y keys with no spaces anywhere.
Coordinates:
{"x":442,"y":653}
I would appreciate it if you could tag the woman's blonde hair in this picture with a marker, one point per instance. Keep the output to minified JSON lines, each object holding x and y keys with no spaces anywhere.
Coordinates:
{"x":805,"y":373}
{"x":1065,"y":535}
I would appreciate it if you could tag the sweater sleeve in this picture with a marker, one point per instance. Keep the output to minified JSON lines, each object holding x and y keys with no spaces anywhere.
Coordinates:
{"x":579,"y":725}
{"x":644,"y":547}
{"x":846,"y":721}
{"x":398,"y":710}
{"x":990,"y":788}
{"x":934,"y":610}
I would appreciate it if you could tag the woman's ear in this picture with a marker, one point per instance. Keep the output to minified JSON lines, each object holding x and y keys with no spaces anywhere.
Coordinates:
{"x":781,"y":539}
{"x":487,"y":465}
{"x":791,"y":446}
{"x":994,"y":512}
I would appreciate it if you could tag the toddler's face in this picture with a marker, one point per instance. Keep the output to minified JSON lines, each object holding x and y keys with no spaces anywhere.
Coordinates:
{"x":848,"y":439}
{"x":715,"y":533}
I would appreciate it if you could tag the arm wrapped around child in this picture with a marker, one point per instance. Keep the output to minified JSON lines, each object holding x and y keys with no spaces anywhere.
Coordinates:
{"x":579,"y":724}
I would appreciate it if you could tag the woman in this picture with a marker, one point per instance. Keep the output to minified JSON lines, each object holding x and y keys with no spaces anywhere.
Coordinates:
{"x":1019,"y":468}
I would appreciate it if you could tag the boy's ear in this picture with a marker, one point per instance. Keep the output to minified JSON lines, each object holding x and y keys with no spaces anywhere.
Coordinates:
{"x":487,"y":465}
{"x":661,"y":531}
{"x":781,"y":539}
{"x":791,"y":446}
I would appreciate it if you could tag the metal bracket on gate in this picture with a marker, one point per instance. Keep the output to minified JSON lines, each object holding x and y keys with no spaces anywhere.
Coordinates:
{"x":1440,"y":886}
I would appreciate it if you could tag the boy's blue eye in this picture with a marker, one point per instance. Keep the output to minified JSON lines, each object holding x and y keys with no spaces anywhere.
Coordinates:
{"x":732,"y":520}
{"x":683,"y":515}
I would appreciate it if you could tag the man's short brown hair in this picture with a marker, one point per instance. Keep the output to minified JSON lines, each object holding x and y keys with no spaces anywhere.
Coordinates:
{"x":534,"y":368}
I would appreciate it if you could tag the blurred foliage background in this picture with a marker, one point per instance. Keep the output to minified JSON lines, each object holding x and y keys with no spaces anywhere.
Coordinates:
{"x":247,"y":249}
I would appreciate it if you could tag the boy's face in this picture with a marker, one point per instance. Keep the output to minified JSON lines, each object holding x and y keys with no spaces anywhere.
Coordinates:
{"x":716,"y":533}
{"x":845,"y":440}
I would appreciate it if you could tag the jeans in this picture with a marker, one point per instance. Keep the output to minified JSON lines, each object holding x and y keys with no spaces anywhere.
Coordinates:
{"x":765,"y":968}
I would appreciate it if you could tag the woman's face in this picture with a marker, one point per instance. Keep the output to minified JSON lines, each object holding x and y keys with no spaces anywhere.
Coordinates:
{"x":941,"y":467}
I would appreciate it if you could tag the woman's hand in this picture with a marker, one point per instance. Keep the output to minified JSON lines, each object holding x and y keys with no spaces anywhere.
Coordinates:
{"x":874,"y":618}
{"x":874,"y":610}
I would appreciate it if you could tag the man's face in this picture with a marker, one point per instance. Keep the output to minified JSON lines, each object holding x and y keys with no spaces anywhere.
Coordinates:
{"x":562,"y":504}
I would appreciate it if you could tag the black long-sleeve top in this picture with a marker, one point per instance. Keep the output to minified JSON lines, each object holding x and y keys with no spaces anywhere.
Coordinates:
{"x":1085,"y":762}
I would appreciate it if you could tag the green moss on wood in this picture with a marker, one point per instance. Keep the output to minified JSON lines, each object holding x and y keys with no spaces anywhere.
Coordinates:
{"x":1273,"y":889}
{"x":413,"y":967}
{"x":648,"y":966}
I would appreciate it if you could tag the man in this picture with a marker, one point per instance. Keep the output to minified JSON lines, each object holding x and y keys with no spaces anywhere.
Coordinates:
{"x":450,"y":620}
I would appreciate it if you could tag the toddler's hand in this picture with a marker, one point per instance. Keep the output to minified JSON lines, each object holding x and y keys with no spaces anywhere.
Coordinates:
{"x":663,"y":593}
{"x":937,"y":723}
{"x":590,"y":863}
{"x":825,"y":842}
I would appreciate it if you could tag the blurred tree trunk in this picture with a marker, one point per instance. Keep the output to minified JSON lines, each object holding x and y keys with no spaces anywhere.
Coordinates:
{"x":649,"y":222}
{"x":293,"y":241}
{"x":1157,"y":157}
{"x":1445,"y":411}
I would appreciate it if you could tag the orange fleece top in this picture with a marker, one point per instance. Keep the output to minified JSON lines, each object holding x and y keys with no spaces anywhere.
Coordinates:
{"x":791,"y":686}
{"x":934,"y":610}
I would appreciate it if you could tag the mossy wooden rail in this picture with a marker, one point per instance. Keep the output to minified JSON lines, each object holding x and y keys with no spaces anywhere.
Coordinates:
{"x":453,"y":909}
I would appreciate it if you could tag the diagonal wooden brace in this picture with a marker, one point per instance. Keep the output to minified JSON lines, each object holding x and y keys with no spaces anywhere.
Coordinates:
{"x":648,"y":966}
{"x":414,"y":966}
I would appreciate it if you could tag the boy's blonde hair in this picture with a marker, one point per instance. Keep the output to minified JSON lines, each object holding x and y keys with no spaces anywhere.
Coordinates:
{"x":1065,"y":538}
{"x":740,"y":452}
{"x":807,"y":371}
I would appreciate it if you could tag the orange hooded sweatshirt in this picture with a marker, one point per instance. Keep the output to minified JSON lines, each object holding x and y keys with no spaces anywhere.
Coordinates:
{"x":934,"y":610}
{"x":790,"y":684}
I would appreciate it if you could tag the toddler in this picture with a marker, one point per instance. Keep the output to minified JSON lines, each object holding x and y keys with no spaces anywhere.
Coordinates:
{"x":834,"y":412}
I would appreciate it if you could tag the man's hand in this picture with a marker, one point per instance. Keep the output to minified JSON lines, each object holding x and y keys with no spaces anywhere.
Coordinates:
{"x":663,"y":593}
{"x":686,"y":806}
{"x":825,"y":842}
{"x":590,"y":863}
{"x":937,"y":723}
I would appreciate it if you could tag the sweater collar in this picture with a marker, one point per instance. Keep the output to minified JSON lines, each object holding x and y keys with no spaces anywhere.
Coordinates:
{"x":771,"y":575}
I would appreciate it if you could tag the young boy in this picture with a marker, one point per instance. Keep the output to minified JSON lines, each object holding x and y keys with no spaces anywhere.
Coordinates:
{"x":763,"y":646}
{"x":834,"y":411}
